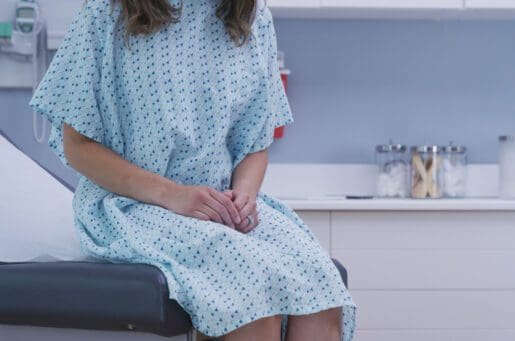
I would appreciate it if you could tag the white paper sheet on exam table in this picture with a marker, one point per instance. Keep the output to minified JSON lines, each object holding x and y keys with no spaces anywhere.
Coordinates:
{"x":36,"y":215}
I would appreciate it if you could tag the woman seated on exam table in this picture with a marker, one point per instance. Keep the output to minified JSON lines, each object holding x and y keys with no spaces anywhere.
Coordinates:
{"x":167,"y":111}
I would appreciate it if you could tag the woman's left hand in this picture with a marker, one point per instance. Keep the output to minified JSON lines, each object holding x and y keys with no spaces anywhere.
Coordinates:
{"x":246,"y":205}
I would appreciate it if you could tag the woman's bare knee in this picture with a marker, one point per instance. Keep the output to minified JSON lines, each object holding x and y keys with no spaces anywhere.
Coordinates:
{"x":266,"y":328}
{"x":333,"y":315}
{"x":273,"y":321}
{"x":322,"y":325}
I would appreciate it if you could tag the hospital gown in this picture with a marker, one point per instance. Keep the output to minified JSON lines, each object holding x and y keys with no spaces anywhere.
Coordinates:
{"x":185,"y":102}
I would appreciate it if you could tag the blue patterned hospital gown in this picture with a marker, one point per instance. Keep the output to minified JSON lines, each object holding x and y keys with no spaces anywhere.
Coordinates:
{"x":188,"y":104}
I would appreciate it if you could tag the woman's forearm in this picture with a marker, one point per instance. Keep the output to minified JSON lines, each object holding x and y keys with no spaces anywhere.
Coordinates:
{"x":114,"y":173}
{"x":249,"y":174}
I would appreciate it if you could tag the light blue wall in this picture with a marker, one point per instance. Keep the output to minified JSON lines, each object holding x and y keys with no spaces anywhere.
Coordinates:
{"x":358,"y":83}
{"x":16,"y":122}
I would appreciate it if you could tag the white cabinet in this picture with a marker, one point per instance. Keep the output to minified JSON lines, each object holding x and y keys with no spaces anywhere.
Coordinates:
{"x":394,"y":9}
{"x":319,"y":223}
{"x":386,"y":4}
{"x":424,"y":276}
{"x":394,"y":4}
{"x":293,"y":3}
{"x":294,"y":8}
{"x":490,"y":4}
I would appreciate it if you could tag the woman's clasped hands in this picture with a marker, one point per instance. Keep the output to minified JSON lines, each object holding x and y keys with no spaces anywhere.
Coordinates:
{"x":247,"y":207}
{"x":234,"y":208}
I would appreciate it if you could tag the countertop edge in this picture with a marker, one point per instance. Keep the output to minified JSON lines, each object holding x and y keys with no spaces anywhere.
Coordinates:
{"x":483,"y":204}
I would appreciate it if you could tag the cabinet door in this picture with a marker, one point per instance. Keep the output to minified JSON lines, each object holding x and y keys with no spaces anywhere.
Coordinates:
{"x":493,"y":4}
{"x":418,"y":275}
{"x":394,"y":4}
{"x":426,"y":250}
{"x":319,"y":223}
{"x":293,"y":3}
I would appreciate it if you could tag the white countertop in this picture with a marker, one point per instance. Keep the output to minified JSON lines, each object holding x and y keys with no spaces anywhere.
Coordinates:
{"x":342,"y":204}
{"x":321,"y":187}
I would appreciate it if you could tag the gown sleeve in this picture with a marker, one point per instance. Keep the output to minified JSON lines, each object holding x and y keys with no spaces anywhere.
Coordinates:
{"x":69,"y":90}
{"x":269,"y":107}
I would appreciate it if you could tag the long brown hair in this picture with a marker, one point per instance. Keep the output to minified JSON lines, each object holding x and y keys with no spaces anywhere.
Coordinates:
{"x":146,"y":17}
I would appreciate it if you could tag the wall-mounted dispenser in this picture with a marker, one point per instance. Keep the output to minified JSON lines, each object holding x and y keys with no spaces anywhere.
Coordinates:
{"x":27,"y":12}
{"x":27,"y":42}
{"x":6,"y":33}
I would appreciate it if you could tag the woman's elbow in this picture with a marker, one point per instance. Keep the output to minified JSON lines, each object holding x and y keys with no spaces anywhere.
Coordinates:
{"x":73,"y":141}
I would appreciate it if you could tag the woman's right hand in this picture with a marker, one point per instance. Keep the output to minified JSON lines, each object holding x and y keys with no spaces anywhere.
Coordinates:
{"x":204,"y":203}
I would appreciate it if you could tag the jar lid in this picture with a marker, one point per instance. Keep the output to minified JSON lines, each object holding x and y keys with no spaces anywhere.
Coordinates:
{"x":451,"y":148}
{"x":391,"y":148}
{"x":454,"y":149}
{"x":506,"y":138}
{"x":426,"y":149}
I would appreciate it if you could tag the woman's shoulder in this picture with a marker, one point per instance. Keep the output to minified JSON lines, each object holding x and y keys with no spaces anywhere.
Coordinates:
{"x":262,"y":8}
{"x":263,"y":14}
{"x":100,"y":10}
{"x":97,"y":17}
{"x":260,"y":4}
{"x":97,"y":6}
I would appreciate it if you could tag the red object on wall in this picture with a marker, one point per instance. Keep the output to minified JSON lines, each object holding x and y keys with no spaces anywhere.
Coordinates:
{"x":279,"y":131}
{"x":284,"y":77}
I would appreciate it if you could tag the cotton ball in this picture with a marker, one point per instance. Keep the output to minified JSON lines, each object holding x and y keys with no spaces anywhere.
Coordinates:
{"x":392,"y":180}
{"x":454,"y":176}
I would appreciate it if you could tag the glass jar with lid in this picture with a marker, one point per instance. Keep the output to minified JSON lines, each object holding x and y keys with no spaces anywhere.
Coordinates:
{"x":393,"y":171}
{"x":454,"y":171}
{"x":425,"y":172}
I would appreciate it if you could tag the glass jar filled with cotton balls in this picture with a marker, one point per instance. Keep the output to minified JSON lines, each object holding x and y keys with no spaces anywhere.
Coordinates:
{"x":393,"y":171}
{"x":454,"y":171}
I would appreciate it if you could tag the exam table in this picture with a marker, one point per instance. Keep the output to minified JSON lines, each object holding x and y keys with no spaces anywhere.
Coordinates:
{"x":70,"y":298}
{"x":93,"y":295}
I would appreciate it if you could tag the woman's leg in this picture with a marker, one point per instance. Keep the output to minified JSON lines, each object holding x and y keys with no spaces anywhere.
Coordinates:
{"x":264,"y":329}
{"x":325,"y":325}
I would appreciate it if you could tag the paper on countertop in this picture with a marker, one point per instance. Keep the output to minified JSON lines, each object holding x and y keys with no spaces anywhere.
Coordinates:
{"x":315,"y":197}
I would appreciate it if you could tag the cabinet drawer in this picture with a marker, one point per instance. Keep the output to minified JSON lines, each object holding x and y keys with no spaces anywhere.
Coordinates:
{"x":429,"y":269}
{"x":435,"y":310}
{"x":490,"y":4}
{"x":293,"y":3}
{"x":319,"y":223}
{"x":423,"y":230}
{"x":394,"y":4}
{"x":432,"y":335}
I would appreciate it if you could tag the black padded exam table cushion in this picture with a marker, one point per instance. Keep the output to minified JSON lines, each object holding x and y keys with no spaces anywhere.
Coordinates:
{"x":92,"y":295}
{"x":89,"y":295}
